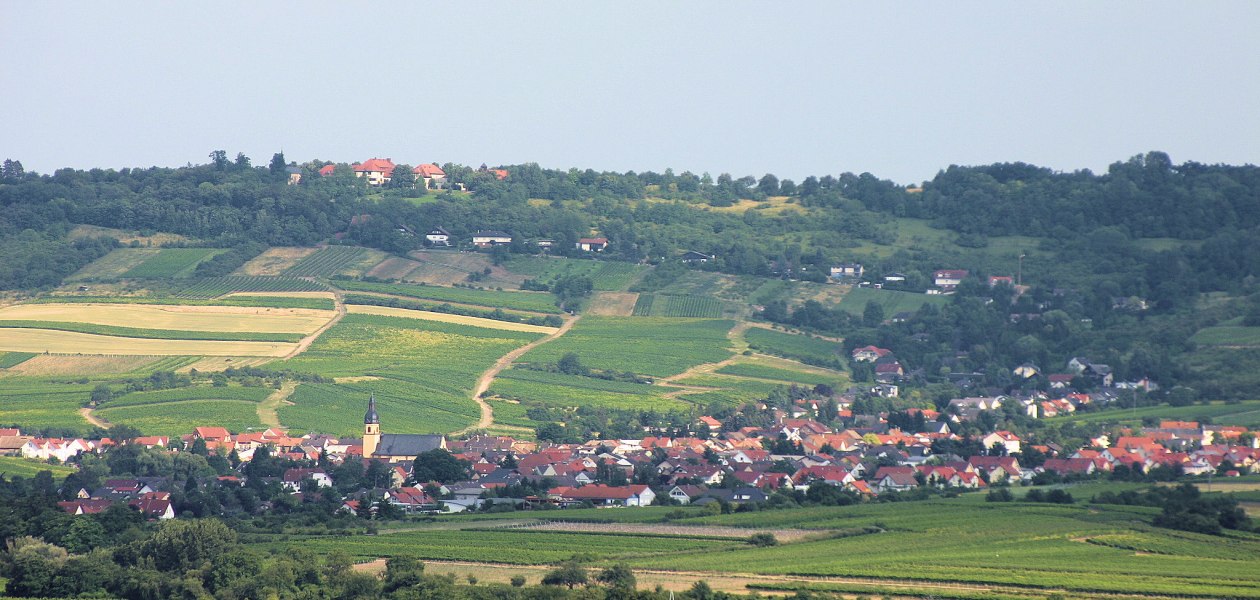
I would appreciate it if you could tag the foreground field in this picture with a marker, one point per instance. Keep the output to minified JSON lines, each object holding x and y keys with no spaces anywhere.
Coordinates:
{"x":951,"y":548}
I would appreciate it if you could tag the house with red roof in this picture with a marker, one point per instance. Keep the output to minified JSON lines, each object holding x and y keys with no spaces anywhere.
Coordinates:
{"x":429,"y":176}
{"x":327,"y":170}
{"x":378,"y":171}
{"x":948,"y":279}
{"x":869,"y":353}
{"x":604,"y":495}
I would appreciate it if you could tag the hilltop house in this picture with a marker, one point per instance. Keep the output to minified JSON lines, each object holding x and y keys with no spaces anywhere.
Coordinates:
{"x":431,"y":175}
{"x":378,"y":171}
{"x":948,"y":279}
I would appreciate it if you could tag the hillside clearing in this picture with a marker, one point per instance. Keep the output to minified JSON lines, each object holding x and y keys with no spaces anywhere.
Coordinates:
{"x":612,"y":304}
{"x":274,"y":261}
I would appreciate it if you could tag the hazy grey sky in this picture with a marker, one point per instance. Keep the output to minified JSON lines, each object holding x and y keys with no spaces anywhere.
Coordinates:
{"x":794,"y":88}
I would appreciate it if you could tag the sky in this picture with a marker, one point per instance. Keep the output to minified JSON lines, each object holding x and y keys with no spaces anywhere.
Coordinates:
{"x":901,"y":90}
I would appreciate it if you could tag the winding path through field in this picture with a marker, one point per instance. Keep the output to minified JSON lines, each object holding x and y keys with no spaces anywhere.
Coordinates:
{"x":268,"y":409}
{"x":96,"y":421}
{"x":483,"y":382}
{"x":340,"y":304}
{"x":738,"y":345}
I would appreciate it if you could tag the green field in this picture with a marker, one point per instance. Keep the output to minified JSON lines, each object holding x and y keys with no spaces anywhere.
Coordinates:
{"x":277,"y":302}
{"x":729,"y":390}
{"x":156,"y":334}
{"x":13,"y":359}
{"x":507,"y":546}
{"x":527,"y":301}
{"x":1227,"y":335}
{"x":653,"y":346}
{"x":16,"y":466}
{"x":172,"y":262}
{"x":212,"y":287}
{"x":1245,"y":413}
{"x":114,"y":264}
{"x":810,"y":350}
{"x":226,"y":393}
{"x":426,"y":372}
{"x":37,"y":403}
{"x":569,"y":391}
{"x":181,"y":417}
{"x":892,"y":301}
{"x":605,"y":275}
{"x":776,"y":374}
{"x":660,"y":305}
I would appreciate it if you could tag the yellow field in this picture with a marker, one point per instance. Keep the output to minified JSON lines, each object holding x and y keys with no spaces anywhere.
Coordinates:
{"x":185,"y":318}
{"x":68,"y":342}
{"x":60,"y":364}
{"x":274,"y":261}
{"x":221,"y":363}
{"x":447,"y":318}
{"x":125,"y":238}
{"x":612,"y":304}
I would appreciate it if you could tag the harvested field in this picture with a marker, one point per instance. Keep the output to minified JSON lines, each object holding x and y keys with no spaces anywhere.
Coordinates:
{"x":449,"y":268}
{"x":209,"y":364}
{"x":425,"y":315}
{"x":174,"y":317}
{"x":612,"y":304}
{"x":61,"y":364}
{"x":66,"y":342}
{"x":114,"y":264}
{"x":393,"y":268}
{"x":274,"y":261}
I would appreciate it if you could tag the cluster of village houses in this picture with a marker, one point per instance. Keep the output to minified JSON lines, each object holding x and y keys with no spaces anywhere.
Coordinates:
{"x":865,"y":456}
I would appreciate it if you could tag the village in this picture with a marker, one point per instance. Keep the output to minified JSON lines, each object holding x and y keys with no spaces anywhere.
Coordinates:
{"x":862,"y":457}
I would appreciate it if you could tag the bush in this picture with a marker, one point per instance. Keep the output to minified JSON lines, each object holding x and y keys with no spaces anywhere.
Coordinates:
{"x":1000,"y":495}
{"x":763,"y":539}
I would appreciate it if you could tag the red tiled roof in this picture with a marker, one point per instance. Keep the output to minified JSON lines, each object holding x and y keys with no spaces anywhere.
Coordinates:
{"x":375,"y":165}
{"x":429,"y":170}
{"x":327,"y":170}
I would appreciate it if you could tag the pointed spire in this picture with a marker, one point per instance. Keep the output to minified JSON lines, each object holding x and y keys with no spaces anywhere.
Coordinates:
{"x":371,"y":417}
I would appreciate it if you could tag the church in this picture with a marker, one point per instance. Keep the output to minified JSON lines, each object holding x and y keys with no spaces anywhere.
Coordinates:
{"x":394,"y":447}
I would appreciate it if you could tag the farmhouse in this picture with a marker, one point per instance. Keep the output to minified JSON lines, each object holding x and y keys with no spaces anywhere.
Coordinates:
{"x":376,"y":170}
{"x":489,"y":239}
{"x":869,"y":353}
{"x":438,"y":236}
{"x":394,"y":447}
{"x":948,"y":279}
{"x":597,"y":244}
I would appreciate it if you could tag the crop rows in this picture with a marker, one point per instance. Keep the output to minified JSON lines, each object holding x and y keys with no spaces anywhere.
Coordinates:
{"x":34,"y":404}
{"x":217,"y":286}
{"x":172,"y":262}
{"x":560,"y":390}
{"x":233,"y":393}
{"x":153,"y":334}
{"x":527,"y":301}
{"x":605,"y":275}
{"x":326,"y":262}
{"x":760,"y":371}
{"x":660,"y":305}
{"x":180,"y":417}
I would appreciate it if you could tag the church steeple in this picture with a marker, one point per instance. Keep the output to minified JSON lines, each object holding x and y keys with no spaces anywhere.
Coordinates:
{"x":371,"y":418}
{"x":371,"y":428}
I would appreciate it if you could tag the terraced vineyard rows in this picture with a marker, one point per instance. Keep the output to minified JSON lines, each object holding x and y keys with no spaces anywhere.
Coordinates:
{"x":172,"y":262}
{"x":528,"y":301}
{"x":326,"y":262}
{"x":662,"y":305}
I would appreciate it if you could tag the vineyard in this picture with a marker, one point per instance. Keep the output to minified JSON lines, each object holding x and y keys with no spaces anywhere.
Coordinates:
{"x":172,"y":262}
{"x":181,"y":417}
{"x":114,"y":264}
{"x":528,"y":301}
{"x":762,"y":371}
{"x":809,"y":350}
{"x":213,"y":287}
{"x":557,"y":390}
{"x":232,"y":393}
{"x":326,"y":262}
{"x":660,"y":305}
{"x":653,"y":346}
{"x":34,"y":403}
